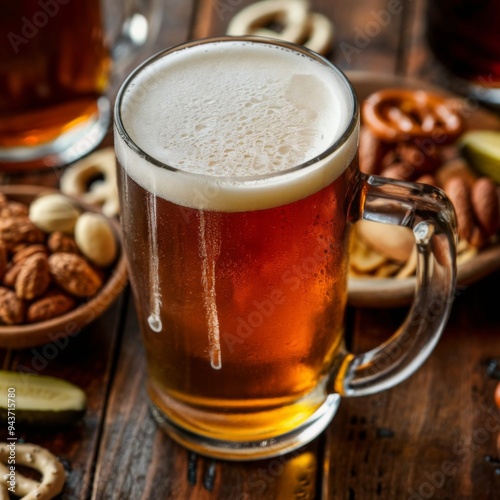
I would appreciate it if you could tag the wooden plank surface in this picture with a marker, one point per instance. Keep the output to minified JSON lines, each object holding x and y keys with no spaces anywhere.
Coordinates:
{"x":430,"y":435}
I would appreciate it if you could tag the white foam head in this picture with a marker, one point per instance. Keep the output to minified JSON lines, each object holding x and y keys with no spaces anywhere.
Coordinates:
{"x":232,"y":120}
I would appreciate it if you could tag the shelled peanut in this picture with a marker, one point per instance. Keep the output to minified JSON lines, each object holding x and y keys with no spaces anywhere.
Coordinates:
{"x":53,"y":256}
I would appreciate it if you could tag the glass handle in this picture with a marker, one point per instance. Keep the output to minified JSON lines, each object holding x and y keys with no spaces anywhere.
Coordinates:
{"x":431,"y":216}
{"x":138,"y":25}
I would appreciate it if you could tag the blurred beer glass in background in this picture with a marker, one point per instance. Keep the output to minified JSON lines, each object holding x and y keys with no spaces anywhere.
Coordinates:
{"x":464,"y":36}
{"x":57,"y":62}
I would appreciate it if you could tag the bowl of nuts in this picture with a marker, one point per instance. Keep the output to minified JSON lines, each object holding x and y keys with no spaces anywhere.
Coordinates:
{"x":61,"y":265}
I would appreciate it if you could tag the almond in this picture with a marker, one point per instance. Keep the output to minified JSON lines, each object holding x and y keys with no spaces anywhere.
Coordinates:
{"x":485,"y":205}
{"x":11,"y":307}
{"x":458,"y":192}
{"x":33,"y":278}
{"x":49,"y":307}
{"x":60,"y":242}
{"x":74,"y":275}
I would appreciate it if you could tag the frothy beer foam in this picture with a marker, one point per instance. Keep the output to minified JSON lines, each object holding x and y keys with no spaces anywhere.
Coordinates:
{"x":225,"y":114}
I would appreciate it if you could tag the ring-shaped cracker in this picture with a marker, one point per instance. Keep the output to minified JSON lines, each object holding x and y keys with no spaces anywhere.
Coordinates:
{"x":40,"y":459}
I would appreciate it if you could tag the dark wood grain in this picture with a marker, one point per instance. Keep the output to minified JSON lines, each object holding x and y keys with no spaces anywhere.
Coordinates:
{"x":441,"y":419}
{"x":85,"y":360}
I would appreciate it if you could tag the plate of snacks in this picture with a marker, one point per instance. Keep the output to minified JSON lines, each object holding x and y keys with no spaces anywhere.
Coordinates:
{"x":61,"y":265}
{"x":412,"y":131}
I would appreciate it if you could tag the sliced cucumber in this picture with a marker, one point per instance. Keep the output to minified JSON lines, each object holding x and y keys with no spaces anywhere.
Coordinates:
{"x":481,"y":148}
{"x":40,"y":401}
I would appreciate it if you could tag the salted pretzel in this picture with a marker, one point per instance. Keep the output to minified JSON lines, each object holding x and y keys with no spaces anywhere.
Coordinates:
{"x":395,"y":115}
{"x":300,"y":26}
{"x":34,"y":457}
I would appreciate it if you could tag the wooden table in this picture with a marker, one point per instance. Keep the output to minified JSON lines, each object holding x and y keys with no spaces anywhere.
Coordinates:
{"x":427,"y":438}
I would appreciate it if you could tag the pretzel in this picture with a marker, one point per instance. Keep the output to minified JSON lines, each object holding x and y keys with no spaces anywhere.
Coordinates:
{"x":301,"y":26}
{"x":34,"y":457}
{"x":77,"y":181}
{"x":395,"y":115}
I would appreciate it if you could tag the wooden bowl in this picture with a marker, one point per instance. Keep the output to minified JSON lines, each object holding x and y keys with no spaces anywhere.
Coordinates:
{"x":35,"y":334}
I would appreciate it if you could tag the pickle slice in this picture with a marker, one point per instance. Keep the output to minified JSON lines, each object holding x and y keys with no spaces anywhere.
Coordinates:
{"x":481,"y":148}
{"x":39,"y":401}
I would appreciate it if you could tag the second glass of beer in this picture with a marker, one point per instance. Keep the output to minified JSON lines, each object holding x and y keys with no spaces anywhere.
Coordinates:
{"x":239,"y":184}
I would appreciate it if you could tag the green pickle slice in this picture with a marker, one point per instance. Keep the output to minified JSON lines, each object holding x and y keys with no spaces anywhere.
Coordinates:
{"x":481,"y":148}
{"x":39,"y":401}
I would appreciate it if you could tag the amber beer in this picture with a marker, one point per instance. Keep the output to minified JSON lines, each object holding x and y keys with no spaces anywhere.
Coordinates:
{"x":54,"y":66}
{"x":237,"y":256}
{"x":464,"y":36}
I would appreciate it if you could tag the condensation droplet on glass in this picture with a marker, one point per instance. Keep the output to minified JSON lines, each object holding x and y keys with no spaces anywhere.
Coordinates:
{"x":155,"y":323}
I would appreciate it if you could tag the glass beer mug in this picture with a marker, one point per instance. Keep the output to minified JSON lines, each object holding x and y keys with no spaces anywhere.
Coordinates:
{"x":57,"y":58}
{"x":239,"y":184}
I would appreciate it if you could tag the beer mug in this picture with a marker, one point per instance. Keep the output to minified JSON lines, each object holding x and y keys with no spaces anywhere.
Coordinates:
{"x":57,"y":58}
{"x":239,"y":185}
{"x":464,"y":37}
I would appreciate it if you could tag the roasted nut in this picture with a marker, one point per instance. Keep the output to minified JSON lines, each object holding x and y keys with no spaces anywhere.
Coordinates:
{"x":13,"y":209}
{"x":458,"y":192}
{"x":10,"y":276}
{"x":74,"y":275}
{"x":455,"y":168}
{"x":28,"y":251}
{"x":15,"y":230}
{"x":54,"y":212}
{"x":485,"y":205}
{"x":60,"y":242}
{"x":33,"y":278}
{"x":11,"y":307}
{"x":49,"y":306}
{"x":95,"y":239}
